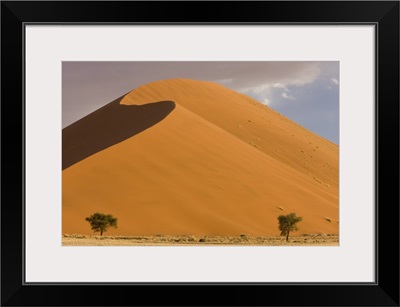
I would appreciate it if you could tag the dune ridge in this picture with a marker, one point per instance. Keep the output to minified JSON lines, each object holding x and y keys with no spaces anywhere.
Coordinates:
{"x":218,"y":163}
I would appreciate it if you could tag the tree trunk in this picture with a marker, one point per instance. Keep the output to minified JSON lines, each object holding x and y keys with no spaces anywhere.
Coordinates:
{"x":101,"y":232}
{"x":287,"y":236}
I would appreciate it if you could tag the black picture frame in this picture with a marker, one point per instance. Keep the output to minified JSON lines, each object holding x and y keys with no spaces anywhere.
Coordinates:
{"x":383,"y":14}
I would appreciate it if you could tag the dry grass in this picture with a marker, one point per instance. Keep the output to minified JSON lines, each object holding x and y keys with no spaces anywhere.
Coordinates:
{"x":184,"y":240}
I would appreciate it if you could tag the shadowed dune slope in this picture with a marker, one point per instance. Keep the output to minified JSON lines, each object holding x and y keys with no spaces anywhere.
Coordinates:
{"x":109,"y":125}
{"x":207,"y":161}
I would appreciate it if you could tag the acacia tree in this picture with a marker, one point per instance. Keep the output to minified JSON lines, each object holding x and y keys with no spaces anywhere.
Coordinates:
{"x":100,"y":222}
{"x":287,"y":223}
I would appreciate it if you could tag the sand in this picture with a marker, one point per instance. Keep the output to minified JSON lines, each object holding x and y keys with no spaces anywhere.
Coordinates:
{"x":164,"y":240}
{"x":186,"y":157}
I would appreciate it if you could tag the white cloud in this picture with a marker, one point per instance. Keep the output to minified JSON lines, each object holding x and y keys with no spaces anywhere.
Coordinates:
{"x":266,"y":101}
{"x":276,"y":75}
{"x":278,"y":85}
{"x":275,"y":78}
{"x":256,"y":89}
{"x":335,"y":81}
{"x":286,"y":95}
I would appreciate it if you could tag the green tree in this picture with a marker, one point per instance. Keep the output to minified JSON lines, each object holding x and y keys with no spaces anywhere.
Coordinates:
{"x":287,"y":223}
{"x":100,"y":222}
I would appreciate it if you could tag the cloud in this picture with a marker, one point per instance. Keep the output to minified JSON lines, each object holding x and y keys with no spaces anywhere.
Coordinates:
{"x":286,"y":95}
{"x":255,"y":89}
{"x":278,"y":85}
{"x":266,"y":101}
{"x":269,"y":82}
{"x":335,"y":81}
{"x":264,"y":75}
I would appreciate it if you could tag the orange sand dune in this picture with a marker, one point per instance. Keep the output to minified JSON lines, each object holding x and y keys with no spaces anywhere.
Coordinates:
{"x":191,"y":157}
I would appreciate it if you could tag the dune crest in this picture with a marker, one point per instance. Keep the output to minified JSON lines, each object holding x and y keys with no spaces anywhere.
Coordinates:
{"x":210,"y":161}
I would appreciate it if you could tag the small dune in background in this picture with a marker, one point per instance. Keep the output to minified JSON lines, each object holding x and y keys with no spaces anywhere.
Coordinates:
{"x":185,"y":157}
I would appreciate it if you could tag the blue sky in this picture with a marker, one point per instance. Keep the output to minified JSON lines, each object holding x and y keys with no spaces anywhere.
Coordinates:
{"x":306,"y":92}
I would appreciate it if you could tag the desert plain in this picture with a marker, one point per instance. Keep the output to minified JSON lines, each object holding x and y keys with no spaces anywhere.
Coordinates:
{"x":165,"y":240}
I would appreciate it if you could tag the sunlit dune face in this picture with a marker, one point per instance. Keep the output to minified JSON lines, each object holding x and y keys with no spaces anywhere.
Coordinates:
{"x":185,"y":157}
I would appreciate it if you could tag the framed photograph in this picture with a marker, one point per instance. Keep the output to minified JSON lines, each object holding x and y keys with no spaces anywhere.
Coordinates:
{"x":241,"y":147}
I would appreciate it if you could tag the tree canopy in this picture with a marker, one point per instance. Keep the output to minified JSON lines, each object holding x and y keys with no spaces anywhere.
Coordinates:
{"x":100,"y":222}
{"x":287,"y":223}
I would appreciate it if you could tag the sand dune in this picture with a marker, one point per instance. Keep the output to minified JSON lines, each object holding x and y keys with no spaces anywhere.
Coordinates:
{"x":185,"y":157}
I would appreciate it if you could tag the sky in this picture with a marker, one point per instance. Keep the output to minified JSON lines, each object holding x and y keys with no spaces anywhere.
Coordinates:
{"x":305,"y":92}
